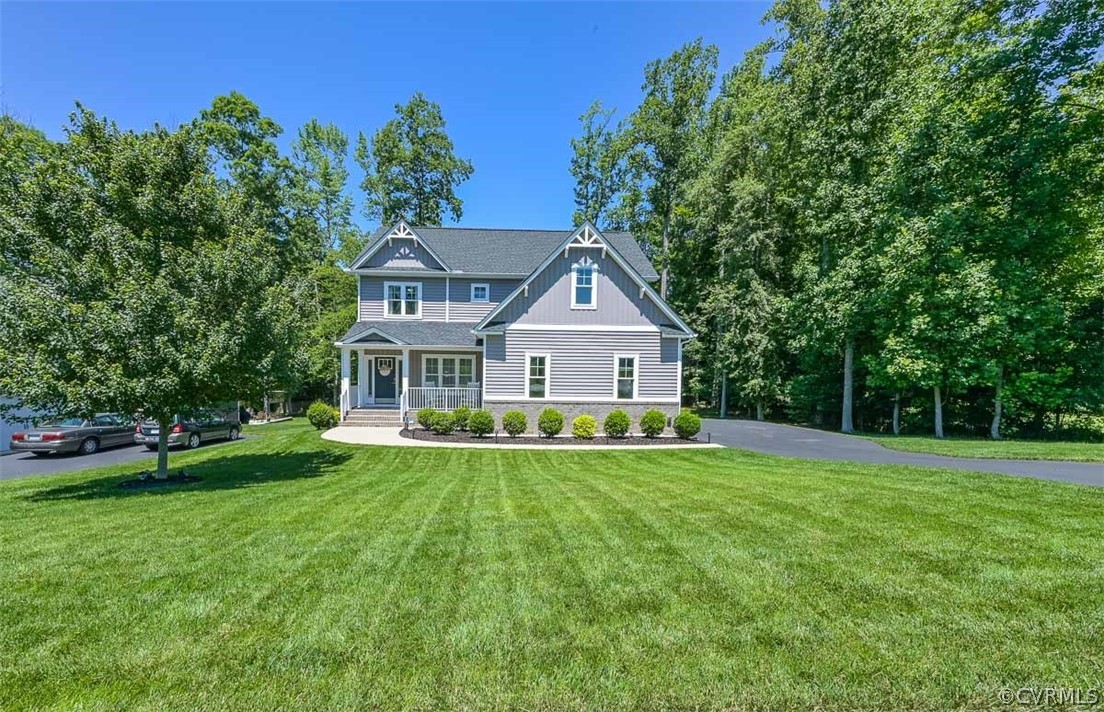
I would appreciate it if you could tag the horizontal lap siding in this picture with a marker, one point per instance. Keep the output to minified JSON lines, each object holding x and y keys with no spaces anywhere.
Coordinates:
{"x":461,"y":307}
{"x":371,"y":297}
{"x":582,"y":363}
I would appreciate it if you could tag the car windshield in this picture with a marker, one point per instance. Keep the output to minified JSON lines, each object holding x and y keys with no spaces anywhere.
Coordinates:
{"x":66,"y":423}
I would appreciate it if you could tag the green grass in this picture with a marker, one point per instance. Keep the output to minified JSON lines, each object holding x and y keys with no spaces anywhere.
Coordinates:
{"x":302,"y":574}
{"x":998,"y":449}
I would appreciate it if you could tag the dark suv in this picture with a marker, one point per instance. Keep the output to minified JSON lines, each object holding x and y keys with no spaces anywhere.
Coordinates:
{"x":190,"y":431}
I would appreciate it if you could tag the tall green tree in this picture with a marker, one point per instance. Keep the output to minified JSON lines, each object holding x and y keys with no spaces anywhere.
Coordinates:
{"x":134,"y":280}
{"x":600,"y":165}
{"x":323,"y":209}
{"x":411,"y":171}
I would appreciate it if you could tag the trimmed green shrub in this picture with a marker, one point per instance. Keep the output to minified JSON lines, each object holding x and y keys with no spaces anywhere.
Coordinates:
{"x":481,"y":423}
{"x":323,"y":416}
{"x":617,"y":424}
{"x":687,"y":425}
{"x":514,"y":423}
{"x":652,"y":423}
{"x":550,"y":422}
{"x":584,"y":427}
{"x":460,"y":417}
{"x":443,"y":423}
{"x":425,"y":417}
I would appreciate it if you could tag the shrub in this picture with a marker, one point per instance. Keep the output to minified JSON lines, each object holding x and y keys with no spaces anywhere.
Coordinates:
{"x":481,"y":423}
{"x":550,"y":422}
{"x":687,"y":425}
{"x":443,"y":423}
{"x":584,"y":427}
{"x":617,"y":424}
{"x":514,"y":423}
{"x":460,"y":417}
{"x":425,"y":417}
{"x":652,"y":423}
{"x":323,"y":416}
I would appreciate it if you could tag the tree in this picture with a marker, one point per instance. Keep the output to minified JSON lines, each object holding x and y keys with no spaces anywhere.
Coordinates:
{"x":668,"y":128}
{"x":322,"y":208}
{"x":601,"y":168}
{"x":410,"y":169}
{"x":134,"y":280}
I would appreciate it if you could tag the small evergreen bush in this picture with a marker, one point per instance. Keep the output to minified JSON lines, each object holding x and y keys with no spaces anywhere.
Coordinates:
{"x":687,"y":425}
{"x":481,"y":423}
{"x":550,"y":422}
{"x":443,"y":423}
{"x":584,"y":427}
{"x":460,"y":417}
{"x":617,"y":424}
{"x":323,"y":416}
{"x":425,"y":417}
{"x":514,"y":423}
{"x":652,"y":423}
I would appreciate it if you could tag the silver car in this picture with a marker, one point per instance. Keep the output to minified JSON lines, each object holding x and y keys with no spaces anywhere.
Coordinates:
{"x":191,"y":431}
{"x":83,"y":435}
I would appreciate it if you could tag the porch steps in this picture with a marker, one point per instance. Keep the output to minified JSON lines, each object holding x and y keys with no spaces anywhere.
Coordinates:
{"x":372,"y":419}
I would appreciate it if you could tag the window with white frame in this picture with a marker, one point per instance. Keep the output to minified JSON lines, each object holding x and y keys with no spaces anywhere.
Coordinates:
{"x":404,"y":299}
{"x":582,"y":288}
{"x":481,"y":292}
{"x":448,"y":371}
{"x":537,"y":380}
{"x":625,"y":377}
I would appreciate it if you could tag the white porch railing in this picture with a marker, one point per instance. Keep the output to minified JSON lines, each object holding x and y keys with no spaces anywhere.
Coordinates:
{"x":442,"y":398}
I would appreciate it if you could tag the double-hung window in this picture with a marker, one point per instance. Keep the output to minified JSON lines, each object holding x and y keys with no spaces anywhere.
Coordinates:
{"x":403,"y":300}
{"x":481,"y":292}
{"x":537,"y":376}
{"x":624,"y":377}
{"x":583,"y":295}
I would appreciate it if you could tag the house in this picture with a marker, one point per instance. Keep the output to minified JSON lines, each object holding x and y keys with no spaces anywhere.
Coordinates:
{"x":508,"y":319}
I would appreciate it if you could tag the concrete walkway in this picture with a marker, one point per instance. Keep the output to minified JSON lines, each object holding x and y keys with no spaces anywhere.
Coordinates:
{"x":791,"y":441}
{"x":389,"y":436}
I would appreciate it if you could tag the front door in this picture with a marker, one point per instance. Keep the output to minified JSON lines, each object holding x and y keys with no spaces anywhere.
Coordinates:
{"x":383,"y":376}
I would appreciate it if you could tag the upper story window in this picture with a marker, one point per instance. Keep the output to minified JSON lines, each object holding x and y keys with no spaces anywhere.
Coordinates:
{"x":583,"y":293}
{"x":404,"y":299}
{"x":481,"y":292}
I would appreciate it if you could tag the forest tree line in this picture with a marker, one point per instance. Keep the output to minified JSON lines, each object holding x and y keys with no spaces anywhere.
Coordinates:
{"x":888,"y":217}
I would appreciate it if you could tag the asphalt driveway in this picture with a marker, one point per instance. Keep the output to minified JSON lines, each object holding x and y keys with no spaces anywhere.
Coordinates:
{"x":25,"y":464}
{"x":792,"y":441}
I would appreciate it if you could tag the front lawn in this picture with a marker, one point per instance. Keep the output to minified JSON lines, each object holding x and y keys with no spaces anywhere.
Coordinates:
{"x":304,"y":574}
{"x":995,"y":449}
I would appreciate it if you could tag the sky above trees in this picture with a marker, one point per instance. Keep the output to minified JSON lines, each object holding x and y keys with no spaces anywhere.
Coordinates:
{"x":512,"y":80}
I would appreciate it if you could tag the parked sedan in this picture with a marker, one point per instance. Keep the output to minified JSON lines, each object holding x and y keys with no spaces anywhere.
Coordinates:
{"x":190,"y":432}
{"x":83,"y":435}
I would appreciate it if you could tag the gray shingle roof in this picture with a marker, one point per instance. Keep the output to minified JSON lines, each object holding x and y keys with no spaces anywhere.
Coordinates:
{"x":417,"y":333}
{"x":497,"y":251}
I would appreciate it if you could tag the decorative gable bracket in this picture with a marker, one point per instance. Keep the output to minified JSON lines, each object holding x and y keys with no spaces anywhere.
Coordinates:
{"x":402,"y":230}
{"x":586,"y":237}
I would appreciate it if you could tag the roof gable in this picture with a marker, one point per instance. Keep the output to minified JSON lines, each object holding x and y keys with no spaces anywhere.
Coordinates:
{"x":407,"y":256}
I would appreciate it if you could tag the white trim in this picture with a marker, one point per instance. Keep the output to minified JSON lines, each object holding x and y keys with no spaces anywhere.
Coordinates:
{"x":547,"y":374}
{"x":400,"y":231}
{"x":402,"y":292}
{"x":593,"y":267}
{"x":678,"y":379}
{"x":384,"y":272}
{"x":448,"y":298}
{"x":484,"y":285}
{"x":472,"y":356}
{"x":524,"y":286}
{"x":351,"y":343}
{"x":636,"y":376}
{"x":569,"y":399}
{"x":582,"y":327}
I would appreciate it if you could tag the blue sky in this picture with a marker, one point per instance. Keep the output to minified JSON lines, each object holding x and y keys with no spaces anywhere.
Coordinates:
{"x":511,"y":79}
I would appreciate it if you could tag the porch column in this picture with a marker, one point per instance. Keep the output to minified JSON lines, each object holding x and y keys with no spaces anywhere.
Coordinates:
{"x":405,"y":381}
{"x":344,"y":381}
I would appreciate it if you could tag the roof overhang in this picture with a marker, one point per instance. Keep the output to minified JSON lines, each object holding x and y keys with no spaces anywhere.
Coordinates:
{"x":370,"y":331}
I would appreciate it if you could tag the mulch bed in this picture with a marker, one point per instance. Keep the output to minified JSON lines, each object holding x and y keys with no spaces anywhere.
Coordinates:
{"x":146,"y":479}
{"x":531,"y":440}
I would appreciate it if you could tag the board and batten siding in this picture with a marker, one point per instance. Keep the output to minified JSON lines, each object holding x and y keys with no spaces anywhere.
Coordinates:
{"x":618,"y":295}
{"x":402,"y":254}
{"x":462,"y":308}
{"x":582,"y":363}
{"x":372,"y":297}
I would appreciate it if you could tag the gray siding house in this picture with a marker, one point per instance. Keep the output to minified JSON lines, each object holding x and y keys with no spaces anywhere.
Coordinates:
{"x":509,"y":319}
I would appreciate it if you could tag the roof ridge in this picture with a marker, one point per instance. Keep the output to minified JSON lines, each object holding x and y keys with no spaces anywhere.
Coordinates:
{"x":488,"y":229}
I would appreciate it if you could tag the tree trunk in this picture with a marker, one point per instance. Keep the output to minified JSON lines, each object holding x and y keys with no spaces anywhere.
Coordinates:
{"x":163,"y":427}
{"x":666,"y":261}
{"x":723,"y":410}
{"x":938,"y":413}
{"x":994,"y":428}
{"x":759,"y":410}
{"x":897,"y":413}
{"x":846,"y":424}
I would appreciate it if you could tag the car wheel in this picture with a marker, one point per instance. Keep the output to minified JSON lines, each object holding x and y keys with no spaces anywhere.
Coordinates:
{"x":233,"y":434}
{"x":89,"y":446}
{"x":193,"y":441}
{"x":151,"y":448}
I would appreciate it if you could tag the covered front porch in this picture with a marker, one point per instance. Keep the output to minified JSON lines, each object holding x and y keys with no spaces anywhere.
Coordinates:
{"x":405,"y":379}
